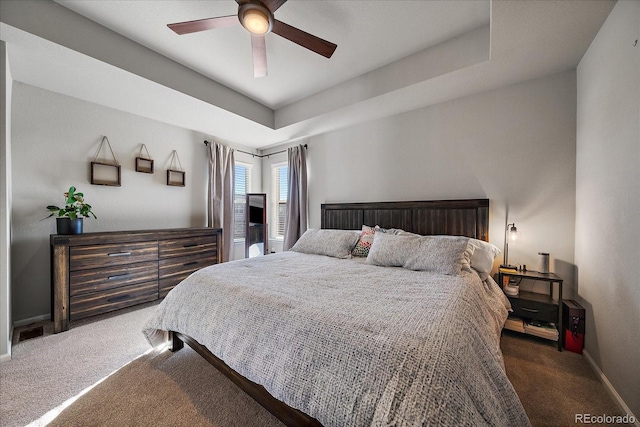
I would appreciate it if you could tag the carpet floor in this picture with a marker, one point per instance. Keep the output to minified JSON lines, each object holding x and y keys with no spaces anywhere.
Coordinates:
{"x":167,"y":389}
{"x":553,"y":386}
{"x":130,"y":385}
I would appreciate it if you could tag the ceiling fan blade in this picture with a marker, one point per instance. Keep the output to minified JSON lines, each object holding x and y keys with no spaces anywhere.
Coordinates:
{"x":273,"y":5}
{"x":304,"y":39}
{"x":259,"y":49}
{"x":204,"y":24}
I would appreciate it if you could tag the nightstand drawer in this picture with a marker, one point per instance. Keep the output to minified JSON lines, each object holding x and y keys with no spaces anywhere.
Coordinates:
{"x":534,"y":310}
{"x":97,"y":256}
{"x":100,"y":279}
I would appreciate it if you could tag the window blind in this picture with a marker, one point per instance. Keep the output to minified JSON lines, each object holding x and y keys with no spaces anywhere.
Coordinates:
{"x":280,"y":196}
{"x":242,"y":186}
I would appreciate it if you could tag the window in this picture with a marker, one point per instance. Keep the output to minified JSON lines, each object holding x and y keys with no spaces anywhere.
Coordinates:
{"x":242,"y":186}
{"x":279,"y":187}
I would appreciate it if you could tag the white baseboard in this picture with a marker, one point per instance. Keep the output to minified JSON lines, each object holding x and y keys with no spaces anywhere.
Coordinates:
{"x":612,"y":391}
{"x":5,"y":357}
{"x":30,"y":320}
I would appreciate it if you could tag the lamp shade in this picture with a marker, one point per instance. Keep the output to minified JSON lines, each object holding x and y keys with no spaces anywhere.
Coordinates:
{"x":510,"y":234}
{"x":255,"y":18}
{"x":256,"y":22}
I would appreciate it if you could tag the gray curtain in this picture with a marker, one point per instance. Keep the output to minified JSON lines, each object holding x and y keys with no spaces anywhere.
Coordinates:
{"x":220,"y":194}
{"x":296,"y":214}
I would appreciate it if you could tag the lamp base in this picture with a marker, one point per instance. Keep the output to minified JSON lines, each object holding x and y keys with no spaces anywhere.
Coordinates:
{"x":509,"y":266}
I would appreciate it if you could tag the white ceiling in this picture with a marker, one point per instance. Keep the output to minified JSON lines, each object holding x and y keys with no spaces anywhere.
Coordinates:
{"x":369,"y":34}
{"x":392,"y":56}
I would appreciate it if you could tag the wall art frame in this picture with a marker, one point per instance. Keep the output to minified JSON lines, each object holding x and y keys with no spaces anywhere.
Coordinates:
{"x":144,"y":164}
{"x":176,"y":177}
{"x":106,"y":172}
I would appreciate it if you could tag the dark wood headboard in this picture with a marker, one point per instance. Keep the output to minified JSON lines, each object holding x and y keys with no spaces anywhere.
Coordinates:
{"x":469,"y":217}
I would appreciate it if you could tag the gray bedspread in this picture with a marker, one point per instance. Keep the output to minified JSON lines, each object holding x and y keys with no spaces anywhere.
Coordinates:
{"x":352,"y":344}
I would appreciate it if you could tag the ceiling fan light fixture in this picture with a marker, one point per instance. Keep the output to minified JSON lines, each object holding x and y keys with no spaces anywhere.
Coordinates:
{"x":255,"y":18}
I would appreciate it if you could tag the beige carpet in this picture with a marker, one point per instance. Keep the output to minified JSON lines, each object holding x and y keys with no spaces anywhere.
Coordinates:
{"x":167,"y":389}
{"x":45,"y":372}
{"x":553,"y":386}
{"x":181,"y":389}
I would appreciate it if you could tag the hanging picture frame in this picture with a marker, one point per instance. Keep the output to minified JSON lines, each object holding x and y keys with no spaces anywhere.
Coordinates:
{"x":144,"y":164}
{"x":175,"y":177}
{"x":105,"y":172}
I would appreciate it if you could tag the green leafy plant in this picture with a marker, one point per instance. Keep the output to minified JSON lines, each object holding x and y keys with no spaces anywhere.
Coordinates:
{"x":75,"y":206}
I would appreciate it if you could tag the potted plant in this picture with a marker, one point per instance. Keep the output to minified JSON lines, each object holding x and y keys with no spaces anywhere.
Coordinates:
{"x":69,"y":218}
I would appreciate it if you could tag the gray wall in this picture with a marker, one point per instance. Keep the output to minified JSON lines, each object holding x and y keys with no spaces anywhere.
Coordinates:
{"x":54,"y":138}
{"x":514,"y":145}
{"x":5,"y":205}
{"x":608,"y":200}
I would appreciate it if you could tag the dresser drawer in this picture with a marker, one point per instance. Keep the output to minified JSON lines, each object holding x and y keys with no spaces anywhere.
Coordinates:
{"x":100,"y":279}
{"x":174,"y":270}
{"x":187,"y":246}
{"x":534,"y":310}
{"x":97,"y":256}
{"x":102,"y":302}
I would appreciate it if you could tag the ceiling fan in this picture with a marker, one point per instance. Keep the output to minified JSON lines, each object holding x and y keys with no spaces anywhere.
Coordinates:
{"x":256,"y":16}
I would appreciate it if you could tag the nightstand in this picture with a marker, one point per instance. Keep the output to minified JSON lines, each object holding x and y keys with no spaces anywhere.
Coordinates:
{"x":535,"y":306}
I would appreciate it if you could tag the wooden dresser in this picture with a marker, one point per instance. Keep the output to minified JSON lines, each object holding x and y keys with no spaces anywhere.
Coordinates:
{"x":95,"y":273}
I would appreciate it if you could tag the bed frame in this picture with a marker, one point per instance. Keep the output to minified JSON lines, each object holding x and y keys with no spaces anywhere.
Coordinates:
{"x":469,"y":217}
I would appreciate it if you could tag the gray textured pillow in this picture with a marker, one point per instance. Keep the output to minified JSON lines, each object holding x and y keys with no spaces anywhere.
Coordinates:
{"x":334,"y":243}
{"x":390,"y":250}
{"x":441,"y":254}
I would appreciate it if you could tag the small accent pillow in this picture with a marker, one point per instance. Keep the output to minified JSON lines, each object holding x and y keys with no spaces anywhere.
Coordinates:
{"x":390,"y":250}
{"x":441,"y":254}
{"x":364,"y":242}
{"x":333,"y":243}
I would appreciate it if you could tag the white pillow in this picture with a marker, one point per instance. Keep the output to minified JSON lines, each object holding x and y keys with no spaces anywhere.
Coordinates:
{"x":333,"y":243}
{"x":441,"y":254}
{"x":483,"y":256}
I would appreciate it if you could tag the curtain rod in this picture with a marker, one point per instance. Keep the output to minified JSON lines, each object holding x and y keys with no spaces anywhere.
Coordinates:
{"x":257,"y":155}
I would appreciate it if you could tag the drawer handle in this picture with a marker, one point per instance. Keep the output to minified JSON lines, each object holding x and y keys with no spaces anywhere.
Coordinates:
{"x":120,"y":254}
{"x":119,"y":276}
{"x":189,"y":263}
{"x":190,"y":245}
{"x":530,"y":310}
{"x":118,"y":299}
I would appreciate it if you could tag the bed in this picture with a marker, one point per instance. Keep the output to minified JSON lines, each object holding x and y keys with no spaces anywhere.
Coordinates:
{"x":322,"y":338}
